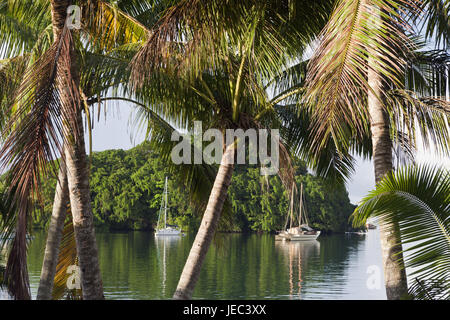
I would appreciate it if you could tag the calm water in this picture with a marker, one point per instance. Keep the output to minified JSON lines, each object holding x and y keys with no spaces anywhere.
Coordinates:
{"x":136,"y":265}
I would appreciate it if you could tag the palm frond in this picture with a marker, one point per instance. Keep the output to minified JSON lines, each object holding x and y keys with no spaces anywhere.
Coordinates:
{"x":102,"y":72}
{"x":194,"y":35}
{"x":428,"y":116}
{"x":328,"y":163}
{"x":436,"y":21}
{"x":67,"y":257}
{"x":428,"y":72}
{"x":11,"y":74}
{"x":34,"y":135}
{"x":108,"y":26}
{"x":422,"y":289}
{"x":337,"y":85}
{"x":21,"y":22}
{"x":417,"y":199}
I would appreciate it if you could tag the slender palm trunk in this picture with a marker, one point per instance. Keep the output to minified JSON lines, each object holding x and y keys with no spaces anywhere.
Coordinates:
{"x":54,"y":236}
{"x":208,"y":226}
{"x":394,"y":271}
{"x":83,"y":224}
{"x":78,"y":178}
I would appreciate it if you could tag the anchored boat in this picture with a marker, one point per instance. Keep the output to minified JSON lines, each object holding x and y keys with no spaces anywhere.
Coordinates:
{"x":303,"y":232}
{"x":164,"y":229}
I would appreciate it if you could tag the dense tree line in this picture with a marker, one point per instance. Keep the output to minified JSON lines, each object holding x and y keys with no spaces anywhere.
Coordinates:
{"x":126,"y":189}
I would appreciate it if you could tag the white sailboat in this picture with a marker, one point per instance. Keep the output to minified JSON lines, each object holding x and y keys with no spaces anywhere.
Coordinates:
{"x":303,"y":231}
{"x":164,"y":229}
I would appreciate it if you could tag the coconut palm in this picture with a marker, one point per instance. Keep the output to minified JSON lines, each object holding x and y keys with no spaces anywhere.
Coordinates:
{"x":417,"y":199}
{"x":357,"y":80}
{"x":220,"y":70}
{"x":46,"y":67}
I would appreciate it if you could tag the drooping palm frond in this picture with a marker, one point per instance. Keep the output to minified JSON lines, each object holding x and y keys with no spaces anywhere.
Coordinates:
{"x":196,"y":34}
{"x":436,"y":21}
{"x":11,"y":74}
{"x":34,"y":135}
{"x":287,"y":82}
{"x":21,"y":23}
{"x":147,"y":12}
{"x":428,"y":72}
{"x":359,"y":31}
{"x":417,"y":198}
{"x":329,"y":163}
{"x":67,"y":257}
{"x":107,"y":26}
{"x":197,"y":178}
{"x":105,"y":73}
{"x":428,"y":116}
{"x":422,"y":289}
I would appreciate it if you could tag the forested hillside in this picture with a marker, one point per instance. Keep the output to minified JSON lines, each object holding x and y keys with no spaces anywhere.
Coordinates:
{"x":126,"y":190}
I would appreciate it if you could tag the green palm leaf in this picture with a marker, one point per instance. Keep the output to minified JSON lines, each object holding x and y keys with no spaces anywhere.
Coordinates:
{"x":337,"y":84}
{"x":417,"y":198}
{"x":21,"y":22}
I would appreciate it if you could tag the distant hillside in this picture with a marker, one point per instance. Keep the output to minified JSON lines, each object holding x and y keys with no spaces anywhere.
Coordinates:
{"x":126,"y":188}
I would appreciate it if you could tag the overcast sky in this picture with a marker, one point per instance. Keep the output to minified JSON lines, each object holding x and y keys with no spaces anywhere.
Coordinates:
{"x":116,"y":134}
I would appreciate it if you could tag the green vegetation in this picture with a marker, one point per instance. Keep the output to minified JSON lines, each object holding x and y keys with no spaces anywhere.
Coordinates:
{"x":417,"y":199}
{"x":126,"y":189}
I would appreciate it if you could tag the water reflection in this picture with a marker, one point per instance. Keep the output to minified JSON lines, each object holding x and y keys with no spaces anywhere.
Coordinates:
{"x":298,"y":253}
{"x":163,"y":245}
{"x":136,"y":265}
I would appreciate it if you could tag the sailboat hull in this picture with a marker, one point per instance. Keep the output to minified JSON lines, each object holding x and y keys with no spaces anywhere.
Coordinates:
{"x":296,"y":237}
{"x":168,"y":232}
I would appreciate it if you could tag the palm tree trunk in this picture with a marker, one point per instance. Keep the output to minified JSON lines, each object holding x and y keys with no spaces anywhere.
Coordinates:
{"x":394,"y":271}
{"x":208,"y":226}
{"x":54,"y":236}
{"x":78,"y":178}
{"x":83,"y":224}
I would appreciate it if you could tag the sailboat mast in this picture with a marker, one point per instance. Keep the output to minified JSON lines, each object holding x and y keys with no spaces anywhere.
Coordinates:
{"x":165,"y":205}
{"x":292,"y":206}
{"x":301,"y":205}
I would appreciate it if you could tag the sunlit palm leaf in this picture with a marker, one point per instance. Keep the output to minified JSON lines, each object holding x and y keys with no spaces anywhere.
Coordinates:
{"x":108,"y":26}
{"x":418,"y":200}
{"x":34,"y":139}
{"x":21,"y":22}
{"x":337,"y":75}
{"x":196,"y":34}
{"x":428,"y":116}
{"x":67,"y":257}
{"x":11,"y":74}
{"x":328,"y":163}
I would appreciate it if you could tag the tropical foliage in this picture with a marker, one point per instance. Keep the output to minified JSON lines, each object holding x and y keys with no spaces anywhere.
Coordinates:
{"x":126,"y":189}
{"x":417,"y":198}
{"x":363,"y":91}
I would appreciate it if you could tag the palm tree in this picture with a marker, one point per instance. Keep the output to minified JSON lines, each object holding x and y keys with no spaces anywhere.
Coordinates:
{"x":358,"y":67}
{"x":55,"y":232}
{"x":417,"y":199}
{"x":58,"y":216}
{"x":220,"y":70}
{"x":49,"y":76}
{"x":100,"y":73}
